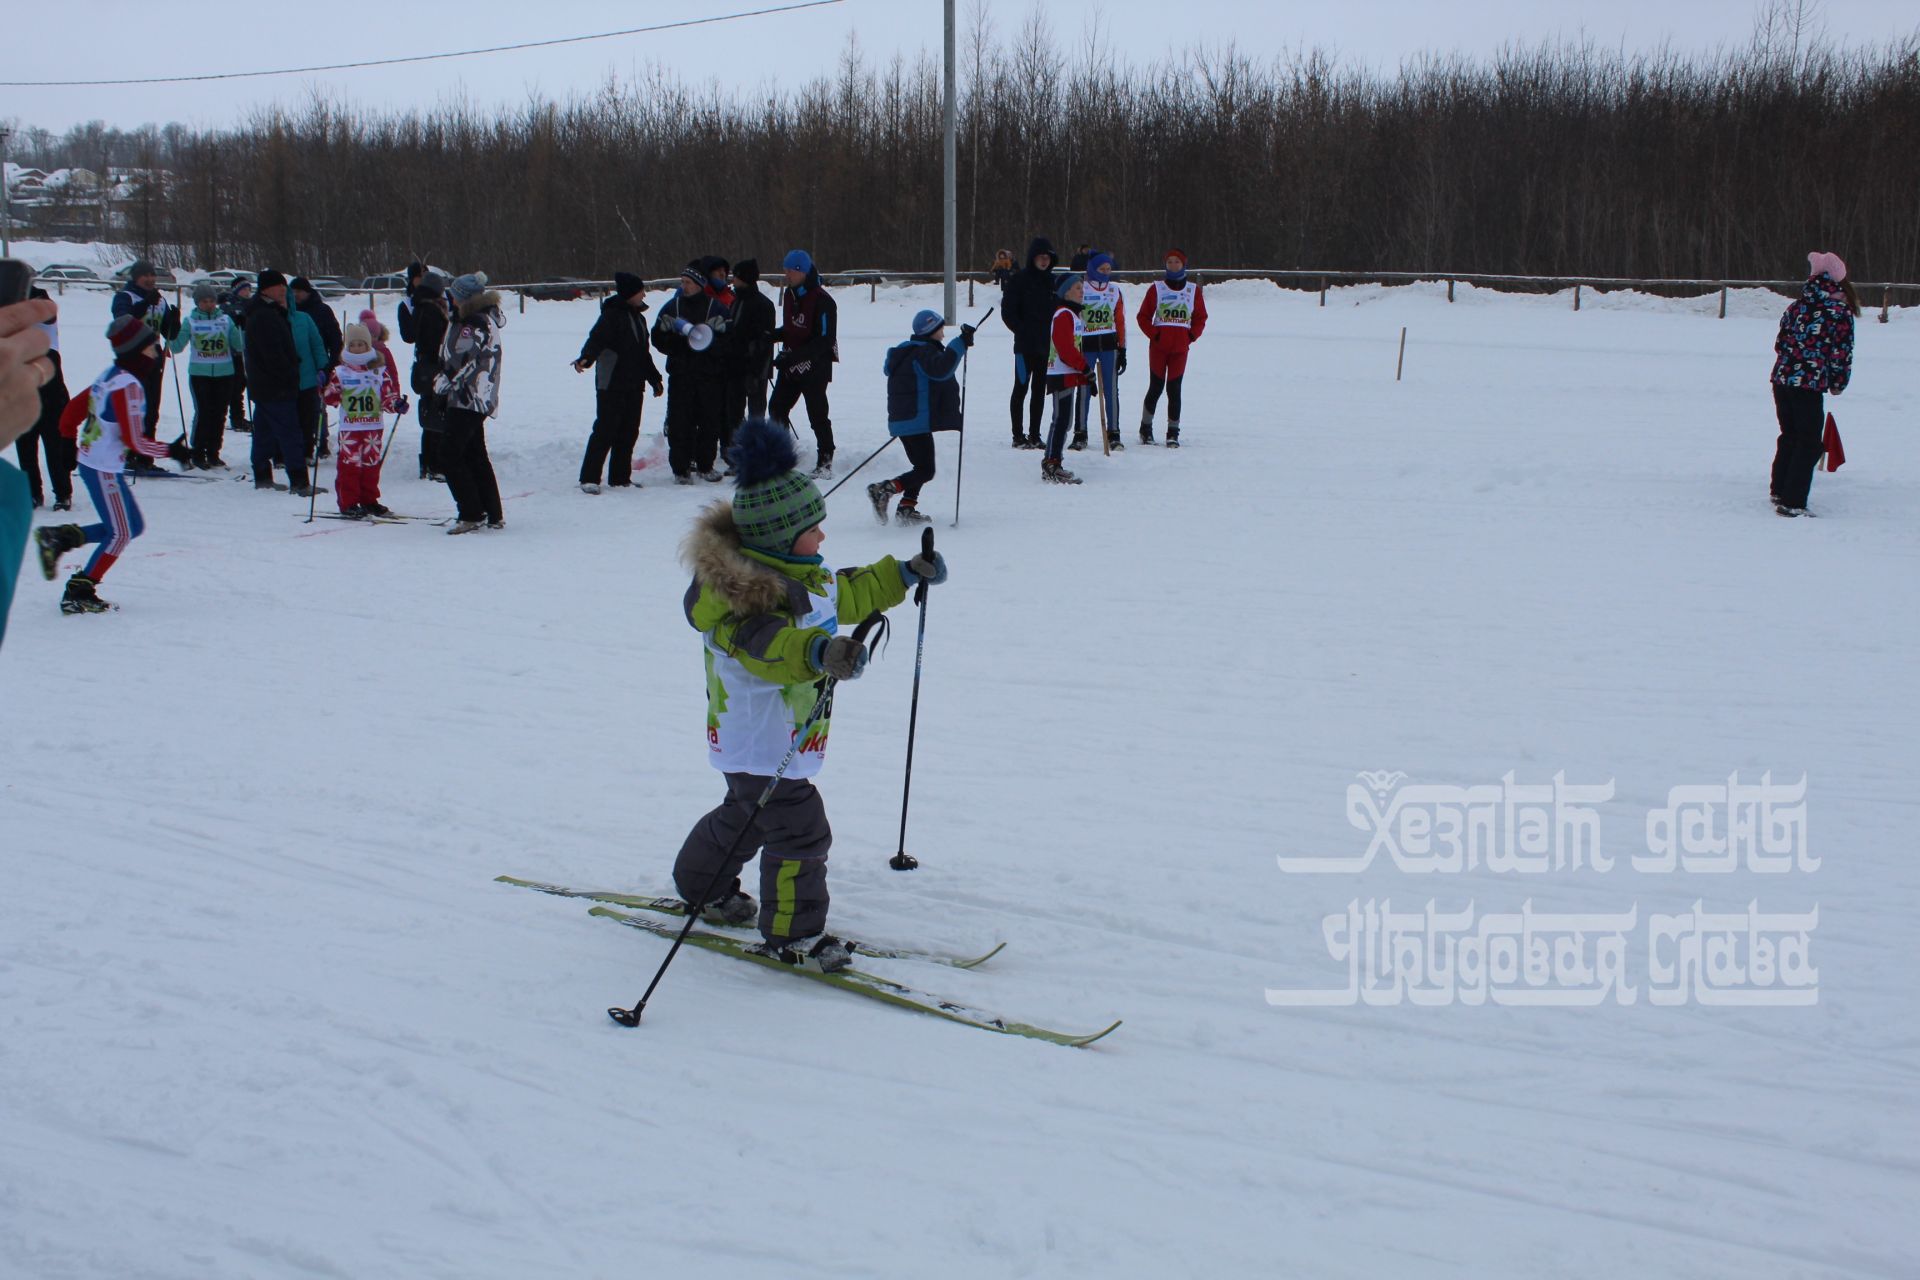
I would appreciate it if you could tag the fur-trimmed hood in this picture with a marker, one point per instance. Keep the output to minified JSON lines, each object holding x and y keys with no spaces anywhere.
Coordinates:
{"x":485,"y":300}
{"x":713,"y":553}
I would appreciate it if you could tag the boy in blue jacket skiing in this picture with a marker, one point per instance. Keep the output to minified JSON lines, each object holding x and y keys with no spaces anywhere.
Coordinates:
{"x":923,"y":397}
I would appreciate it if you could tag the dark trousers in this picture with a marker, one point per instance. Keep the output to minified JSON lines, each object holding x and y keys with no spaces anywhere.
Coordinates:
{"x":212,"y":399}
{"x":1154,"y":386}
{"x":1066,"y":414}
{"x":757,"y":395}
{"x":463,"y":451}
{"x":789,"y":391}
{"x":919,"y":450}
{"x":1029,"y":383}
{"x":733,"y":403}
{"x":276,"y":434}
{"x":616,"y":430}
{"x":237,"y":388}
{"x":313,"y":420}
{"x":793,"y":830}
{"x":1802,"y":419}
{"x":151,"y":385}
{"x":696,"y":411}
{"x":433,"y":424}
{"x":61,"y":453}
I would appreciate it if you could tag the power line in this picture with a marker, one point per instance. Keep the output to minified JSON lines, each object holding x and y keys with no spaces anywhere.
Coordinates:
{"x":422,"y":57}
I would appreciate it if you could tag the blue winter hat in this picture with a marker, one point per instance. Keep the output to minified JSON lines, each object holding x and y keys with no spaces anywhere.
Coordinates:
{"x":928,"y":323}
{"x":1066,"y":282}
{"x":798,"y":260}
{"x":468,"y":286}
{"x":1098,"y":260}
{"x":772,"y":502}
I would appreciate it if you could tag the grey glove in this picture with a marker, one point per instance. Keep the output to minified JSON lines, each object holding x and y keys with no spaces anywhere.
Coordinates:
{"x":841,"y":657}
{"x":920,"y":569}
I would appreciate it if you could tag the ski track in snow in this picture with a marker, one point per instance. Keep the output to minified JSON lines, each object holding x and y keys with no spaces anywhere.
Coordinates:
{"x":264,"y":1013}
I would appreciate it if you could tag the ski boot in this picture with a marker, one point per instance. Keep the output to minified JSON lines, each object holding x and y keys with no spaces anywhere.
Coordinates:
{"x":823,"y":465}
{"x":1053,"y":473}
{"x":54,"y":541}
{"x":376,"y":509}
{"x":822,"y":953}
{"x":1146,"y":431}
{"x":81,"y":597}
{"x":1079,"y":441}
{"x":1033,"y":441}
{"x":732,"y":911}
{"x":463,"y":526}
{"x":910,"y":513}
{"x":880,"y":493}
{"x":586,"y":486}
{"x":1114,"y":444}
{"x":1173,"y":435}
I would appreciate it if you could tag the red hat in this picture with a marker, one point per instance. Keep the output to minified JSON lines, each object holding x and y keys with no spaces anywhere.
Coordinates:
{"x":129,"y":334}
{"x":1177,"y":253}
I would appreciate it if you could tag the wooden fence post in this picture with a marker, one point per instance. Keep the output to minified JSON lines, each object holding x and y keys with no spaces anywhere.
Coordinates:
{"x":1885,"y":293}
{"x":1323,"y":291}
{"x":1576,"y":297}
{"x":1723,"y":302}
{"x":1449,"y":291}
{"x":873,"y":290}
{"x":969,"y":293}
{"x":1401,"y":367}
{"x":523,"y":302}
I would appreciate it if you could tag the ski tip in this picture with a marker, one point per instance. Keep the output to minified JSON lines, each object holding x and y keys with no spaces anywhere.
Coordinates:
{"x":1084,"y":1041}
{"x":977,"y":961}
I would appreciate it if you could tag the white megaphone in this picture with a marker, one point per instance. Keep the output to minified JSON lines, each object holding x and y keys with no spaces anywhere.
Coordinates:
{"x":698,"y":336}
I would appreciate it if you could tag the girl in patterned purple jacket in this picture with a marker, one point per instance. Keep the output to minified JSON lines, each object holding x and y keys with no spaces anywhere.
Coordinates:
{"x":1812,"y":356}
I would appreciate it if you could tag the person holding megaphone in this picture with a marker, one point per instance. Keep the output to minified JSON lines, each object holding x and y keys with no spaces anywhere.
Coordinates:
{"x":696,"y":376}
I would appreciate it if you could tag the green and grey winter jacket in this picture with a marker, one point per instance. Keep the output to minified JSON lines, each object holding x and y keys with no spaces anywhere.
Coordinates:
{"x":759,"y":615}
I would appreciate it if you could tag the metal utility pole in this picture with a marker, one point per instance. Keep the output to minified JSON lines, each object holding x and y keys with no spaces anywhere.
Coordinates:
{"x":952,"y":305}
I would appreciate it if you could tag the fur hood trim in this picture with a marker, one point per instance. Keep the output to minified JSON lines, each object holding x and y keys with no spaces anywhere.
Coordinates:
{"x":712,"y":552}
{"x":486,"y":300}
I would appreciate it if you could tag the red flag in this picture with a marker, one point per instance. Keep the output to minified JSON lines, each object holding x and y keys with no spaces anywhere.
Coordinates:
{"x":1830,"y":441}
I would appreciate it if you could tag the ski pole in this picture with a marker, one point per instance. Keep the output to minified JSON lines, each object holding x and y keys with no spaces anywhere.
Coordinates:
{"x":902,"y":860}
{"x":313,"y":473}
{"x":391,"y":436}
{"x":186,"y":428}
{"x":856,"y":471}
{"x":821,"y":706}
{"x":960,"y":468}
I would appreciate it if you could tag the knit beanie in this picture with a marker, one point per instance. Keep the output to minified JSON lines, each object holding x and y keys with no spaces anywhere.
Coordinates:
{"x":928,"y":323}
{"x":430,"y":286}
{"x":797,"y":260}
{"x":773,"y":503}
{"x":1098,"y":260}
{"x":466,"y":288}
{"x":141,"y":267}
{"x":626,"y":284}
{"x":747,"y":271}
{"x":128,"y":334}
{"x":269,"y":278}
{"x":1066,"y":282}
{"x":1827,"y":264}
{"x":355,"y":333}
{"x":696,"y":272}
{"x":203,"y":291}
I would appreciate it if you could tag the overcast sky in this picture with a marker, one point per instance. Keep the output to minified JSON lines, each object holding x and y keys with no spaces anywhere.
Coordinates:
{"x":115,"y":38}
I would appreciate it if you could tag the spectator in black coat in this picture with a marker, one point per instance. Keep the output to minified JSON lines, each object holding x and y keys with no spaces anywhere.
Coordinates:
{"x":1027,"y":304}
{"x":622,"y":363}
{"x":430,"y":319}
{"x":308,"y":299}
{"x":273,"y":376}
{"x":696,"y":380}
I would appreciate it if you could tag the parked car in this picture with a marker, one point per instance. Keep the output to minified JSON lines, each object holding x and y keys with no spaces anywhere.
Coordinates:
{"x":330,"y":286}
{"x":67,"y":271}
{"x":557,"y":291}
{"x":391,"y":280}
{"x":225,"y":278}
{"x":163,"y":277}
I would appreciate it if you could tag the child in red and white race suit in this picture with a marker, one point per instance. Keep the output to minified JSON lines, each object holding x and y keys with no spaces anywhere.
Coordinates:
{"x":363,"y":387}
{"x":1173,"y":314}
{"x":106,"y":424}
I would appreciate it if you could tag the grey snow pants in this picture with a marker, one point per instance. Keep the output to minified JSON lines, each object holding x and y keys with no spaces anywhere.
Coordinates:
{"x":793,"y":832}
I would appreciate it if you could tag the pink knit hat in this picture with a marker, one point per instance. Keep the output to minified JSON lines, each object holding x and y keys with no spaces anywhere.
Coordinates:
{"x":1828,"y":264}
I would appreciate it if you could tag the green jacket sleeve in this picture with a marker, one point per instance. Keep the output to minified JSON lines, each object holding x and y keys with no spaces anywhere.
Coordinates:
{"x":871,"y":588}
{"x":775,"y":651}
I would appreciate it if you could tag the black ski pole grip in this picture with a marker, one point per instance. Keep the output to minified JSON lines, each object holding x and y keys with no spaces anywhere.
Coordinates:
{"x":926,"y":549}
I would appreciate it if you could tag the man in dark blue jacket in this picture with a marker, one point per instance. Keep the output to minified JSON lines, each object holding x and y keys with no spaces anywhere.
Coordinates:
{"x":923,"y":397}
{"x":143,"y":300}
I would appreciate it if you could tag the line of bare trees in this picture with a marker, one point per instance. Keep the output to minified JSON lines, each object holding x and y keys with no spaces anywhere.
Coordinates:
{"x":1563,"y":158}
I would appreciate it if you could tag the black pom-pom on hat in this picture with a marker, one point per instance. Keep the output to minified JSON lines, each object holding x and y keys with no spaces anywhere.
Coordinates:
{"x":762,"y":450}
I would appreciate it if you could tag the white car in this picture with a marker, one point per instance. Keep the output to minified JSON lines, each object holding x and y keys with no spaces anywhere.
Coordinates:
{"x":66,"y":271}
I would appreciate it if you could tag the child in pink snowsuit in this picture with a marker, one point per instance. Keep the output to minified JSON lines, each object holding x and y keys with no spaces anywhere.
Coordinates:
{"x":363,"y":387}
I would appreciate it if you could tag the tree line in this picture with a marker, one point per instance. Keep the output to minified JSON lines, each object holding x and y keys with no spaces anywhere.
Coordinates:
{"x":1562,"y":158}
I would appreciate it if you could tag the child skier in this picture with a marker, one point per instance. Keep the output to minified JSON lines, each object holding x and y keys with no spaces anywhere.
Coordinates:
{"x":769,"y":613}
{"x":112,"y":411}
{"x":1104,"y":339}
{"x":364,"y":388}
{"x":922,"y":398}
{"x":1173,"y":314}
{"x":1066,"y":379}
{"x":215,"y":341}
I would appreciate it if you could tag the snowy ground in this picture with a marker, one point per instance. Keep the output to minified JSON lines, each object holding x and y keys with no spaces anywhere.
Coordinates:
{"x":263,"y":1011}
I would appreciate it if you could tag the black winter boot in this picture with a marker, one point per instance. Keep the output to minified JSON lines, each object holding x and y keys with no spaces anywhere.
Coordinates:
{"x":82,"y":597}
{"x":880,"y":493}
{"x":54,"y":541}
